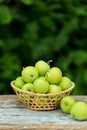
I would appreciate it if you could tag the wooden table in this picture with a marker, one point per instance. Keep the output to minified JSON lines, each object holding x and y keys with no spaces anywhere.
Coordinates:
{"x":14,"y":116}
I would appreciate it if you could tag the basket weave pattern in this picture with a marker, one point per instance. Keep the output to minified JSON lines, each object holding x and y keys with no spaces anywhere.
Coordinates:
{"x":37,"y":101}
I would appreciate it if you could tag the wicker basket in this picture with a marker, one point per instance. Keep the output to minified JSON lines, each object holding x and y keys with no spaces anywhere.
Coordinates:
{"x":37,"y":101}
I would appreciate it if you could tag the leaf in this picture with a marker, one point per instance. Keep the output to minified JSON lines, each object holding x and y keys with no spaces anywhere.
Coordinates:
{"x":31,"y":31}
{"x":41,"y":7}
{"x":1,"y":1}
{"x":27,"y":2}
{"x":48,"y":22}
{"x":58,"y":16}
{"x":1,"y":42}
{"x":10,"y":66}
{"x":44,"y":47}
{"x":85,"y":76}
{"x":55,"y":6}
{"x":5,"y":15}
{"x":63,"y":36}
{"x":80,"y":11}
{"x":79,"y":57}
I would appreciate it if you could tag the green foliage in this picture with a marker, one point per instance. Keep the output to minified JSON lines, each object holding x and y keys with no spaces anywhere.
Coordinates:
{"x":27,"y":2}
{"x":31,"y":30}
{"x":5,"y":15}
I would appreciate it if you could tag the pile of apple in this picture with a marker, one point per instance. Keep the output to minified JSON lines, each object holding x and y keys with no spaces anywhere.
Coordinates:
{"x":42,"y":79}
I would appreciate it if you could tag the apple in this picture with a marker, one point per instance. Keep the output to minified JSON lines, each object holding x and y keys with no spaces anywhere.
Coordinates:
{"x":28,"y":87}
{"x":65,"y":83}
{"x":79,"y":111}
{"x":19,"y":82}
{"x":41,"y":86}
{"x":29,"y":74}
{"x":42,"y":67}
{"x":54,"y":75}
{"x":66,"y":104}
{"x":54,"y":88}
{"x":42,"y":77}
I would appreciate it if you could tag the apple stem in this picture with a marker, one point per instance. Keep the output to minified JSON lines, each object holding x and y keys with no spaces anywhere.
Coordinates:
{"x":48,"y":62}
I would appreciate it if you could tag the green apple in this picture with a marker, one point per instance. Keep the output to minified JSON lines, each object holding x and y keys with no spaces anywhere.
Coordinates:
{"x":42,"y":77}
{"x":28,"y":87}
{"x":19,"y":82}
{"x":42,"y":67}
{"x":66,"y":104}
{"x":54,"y":88}
{"x":65,"y":83}
{"x":79,"y":111}
{"x":54,"y":75}
{"x":29,"y":74}
{"x":41,"y":86}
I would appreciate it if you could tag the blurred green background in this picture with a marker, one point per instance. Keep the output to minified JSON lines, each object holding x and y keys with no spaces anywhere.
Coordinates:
{"x":31,"y":30}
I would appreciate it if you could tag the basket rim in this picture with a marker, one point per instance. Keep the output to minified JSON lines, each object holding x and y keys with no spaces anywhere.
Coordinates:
{"x":46,"y":94}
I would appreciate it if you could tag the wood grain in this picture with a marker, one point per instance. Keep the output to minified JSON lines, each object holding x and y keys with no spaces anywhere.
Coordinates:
{"x":14,"y":116}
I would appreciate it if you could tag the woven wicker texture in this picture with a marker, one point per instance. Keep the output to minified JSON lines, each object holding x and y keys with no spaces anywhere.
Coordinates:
{"x":37,"y":101}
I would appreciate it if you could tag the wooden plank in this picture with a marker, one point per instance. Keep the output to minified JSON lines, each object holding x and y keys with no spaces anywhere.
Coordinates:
{"x":42,"y":126}
{"x":14,"y":116}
